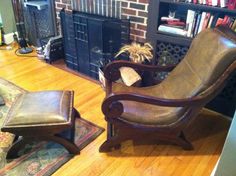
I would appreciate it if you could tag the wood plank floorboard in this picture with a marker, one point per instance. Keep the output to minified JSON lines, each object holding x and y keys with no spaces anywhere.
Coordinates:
{"x":207,"y":132}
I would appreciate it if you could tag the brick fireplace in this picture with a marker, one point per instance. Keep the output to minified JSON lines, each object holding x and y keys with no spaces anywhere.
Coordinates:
{"x":135,"y":10}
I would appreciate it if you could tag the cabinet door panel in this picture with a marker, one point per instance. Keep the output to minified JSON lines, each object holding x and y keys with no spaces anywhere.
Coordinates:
{"x":83,"y":57}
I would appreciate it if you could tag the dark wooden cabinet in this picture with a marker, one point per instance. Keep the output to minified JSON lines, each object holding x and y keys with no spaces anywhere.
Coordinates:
{"x":177,"y":45}
{"x":90,"y":38}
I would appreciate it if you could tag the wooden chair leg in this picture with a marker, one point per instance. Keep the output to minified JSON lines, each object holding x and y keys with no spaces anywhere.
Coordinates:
{"x":76,"y":113}
{"x":72,"y":131}
{"x":113,"y":142}
{"x":108,"y":145}
{"x":16,"y":146}
{"x":183,"y":142}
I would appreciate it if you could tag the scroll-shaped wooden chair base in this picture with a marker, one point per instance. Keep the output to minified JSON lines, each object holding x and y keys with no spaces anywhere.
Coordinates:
{"x":123,"y":134}
{"x":22,"y":141}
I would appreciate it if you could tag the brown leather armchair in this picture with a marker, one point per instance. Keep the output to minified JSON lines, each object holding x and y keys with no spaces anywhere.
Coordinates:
{"x":163,"y":111}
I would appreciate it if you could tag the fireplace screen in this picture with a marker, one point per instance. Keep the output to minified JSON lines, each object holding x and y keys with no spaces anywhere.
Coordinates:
{"x":40,"y":21}
{"x":109,"y":8}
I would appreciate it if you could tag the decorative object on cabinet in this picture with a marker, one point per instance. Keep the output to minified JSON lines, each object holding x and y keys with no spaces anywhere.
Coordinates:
{"x":137,"y":54}
{"x":162,"y":112}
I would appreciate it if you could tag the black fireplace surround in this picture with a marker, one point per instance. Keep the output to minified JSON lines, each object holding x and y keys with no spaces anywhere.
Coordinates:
{"x":90,"y":39}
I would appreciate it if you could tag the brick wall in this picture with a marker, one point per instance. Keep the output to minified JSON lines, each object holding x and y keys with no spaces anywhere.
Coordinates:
{"x":135,"y":10}
{"x":60,"y":4}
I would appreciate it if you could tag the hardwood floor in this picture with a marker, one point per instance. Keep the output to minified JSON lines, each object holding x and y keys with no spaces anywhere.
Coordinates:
{"x":207,"y":133}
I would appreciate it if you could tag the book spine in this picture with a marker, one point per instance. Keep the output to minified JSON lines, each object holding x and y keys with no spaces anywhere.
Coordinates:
{"x":85,"y":6}
{"x":214,"y":2}
{"x":222,"y":3}
{"x":213,"y":24}
{"x":201,"y":22}
{"x":209,"y":2}
{"x":96,"y":7}
{"x":113,"y":8}
{"x":232,"y":4}
{"x":219,"y":21}
{"x":197,"y":24}
{"x":118,"y":9}
{"x":188,"y":19}
{"x":225,"y":20}
{"x":206,"y":21}
{"x":231,"y":22}
{"x":234,"y":25}
{"x":194,"y":24}
{"x":172,"y":30}
{"x":189,"y":22}
{"x":210,"y":21}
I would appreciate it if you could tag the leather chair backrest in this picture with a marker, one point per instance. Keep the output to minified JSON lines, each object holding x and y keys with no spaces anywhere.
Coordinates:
{"x":210,"y":54}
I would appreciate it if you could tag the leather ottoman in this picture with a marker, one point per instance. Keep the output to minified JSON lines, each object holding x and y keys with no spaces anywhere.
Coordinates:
{"x":37,"y":116}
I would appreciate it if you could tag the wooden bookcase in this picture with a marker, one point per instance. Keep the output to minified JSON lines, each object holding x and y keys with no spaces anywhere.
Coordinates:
{"x":159,"y":8}
{"x":177,"y":45}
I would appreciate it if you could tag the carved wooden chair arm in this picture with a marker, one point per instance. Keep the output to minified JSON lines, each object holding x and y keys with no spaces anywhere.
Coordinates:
{"x":112,"y":73}
{"x":112,"y":107}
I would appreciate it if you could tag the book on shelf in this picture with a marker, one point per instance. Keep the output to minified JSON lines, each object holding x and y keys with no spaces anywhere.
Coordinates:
{"x":189,"y":22}
{"x":203,"y":15}
{"x":234,"y":25}
{"x":176,"y":23}
{"x":195,"y":22}
{"x":223,"y":3}
{"x":232,"y":4}
{"x":231,"y":22}
{"x":219,"y":21}
{"x":210,"y":21}
{"x":172,"y":30}
{"x":209,"y":2}
{"x":214,"y":21}
{"x":206,"y":21}
{"x":164,"y":18}
{"x":225,"y":20}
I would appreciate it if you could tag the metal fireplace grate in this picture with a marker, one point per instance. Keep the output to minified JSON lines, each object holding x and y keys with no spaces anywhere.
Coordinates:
{"x":40,"y":20}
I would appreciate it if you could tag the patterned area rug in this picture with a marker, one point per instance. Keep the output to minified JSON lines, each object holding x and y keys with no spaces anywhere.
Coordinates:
{"x":42,"y":158}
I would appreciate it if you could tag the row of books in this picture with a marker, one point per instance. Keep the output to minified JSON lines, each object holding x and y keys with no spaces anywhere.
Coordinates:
{"x":195,"y":23}
{"x":231,"y":4}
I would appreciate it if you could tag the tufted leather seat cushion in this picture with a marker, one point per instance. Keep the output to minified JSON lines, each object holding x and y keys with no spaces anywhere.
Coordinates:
{"x":40,"y":109}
